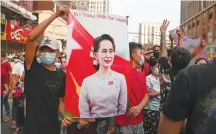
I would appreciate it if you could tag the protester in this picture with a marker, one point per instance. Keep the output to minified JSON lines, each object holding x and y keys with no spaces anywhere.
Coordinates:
{"x":201,"y":61}
{"x":7,"y":68}
{"x":44,"y":84}
{"x":132,"y":121}
{"x":64,"y":63}
{"x":151,"y":112}
{"x":191,"y":97}
{"x":156,"y":52}
{"x":17,"y":71}
{"x":18,"y":99}
{"x":180,"y":58}
{"x":4,"y":90}
{"x":6,"y":65}
{"x":211,"y":129}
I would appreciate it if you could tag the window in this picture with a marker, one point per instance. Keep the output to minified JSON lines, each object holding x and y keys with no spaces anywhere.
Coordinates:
{"x":210,"y":16}
{"x":193,"y":25}
{"x":189,"y":27}
{"x":204,"y":4}
{"x":197,"y":22}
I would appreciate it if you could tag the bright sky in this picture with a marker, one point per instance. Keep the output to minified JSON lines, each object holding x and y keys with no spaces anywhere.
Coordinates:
{"x":140,"y":11}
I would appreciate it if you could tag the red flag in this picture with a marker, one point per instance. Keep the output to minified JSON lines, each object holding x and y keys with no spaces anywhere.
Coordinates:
{"x":80,"y":65}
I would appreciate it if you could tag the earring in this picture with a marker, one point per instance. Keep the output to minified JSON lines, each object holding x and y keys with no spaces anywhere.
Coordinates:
{"x":95,"y":62}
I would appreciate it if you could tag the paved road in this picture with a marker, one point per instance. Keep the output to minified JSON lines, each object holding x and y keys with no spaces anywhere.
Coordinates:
{"x":6,"y":126}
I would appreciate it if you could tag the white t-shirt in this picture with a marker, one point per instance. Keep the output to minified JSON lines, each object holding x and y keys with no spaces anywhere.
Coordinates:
{"x":18,"y":69}
{"x":153,"y":85}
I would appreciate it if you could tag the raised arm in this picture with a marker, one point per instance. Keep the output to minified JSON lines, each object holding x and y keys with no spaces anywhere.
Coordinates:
{"x":31,"y":41}
{"x":171,"y":41}
{"x":180,"y":38}
{"x":163,"y":48}
{"x":198,"y":48}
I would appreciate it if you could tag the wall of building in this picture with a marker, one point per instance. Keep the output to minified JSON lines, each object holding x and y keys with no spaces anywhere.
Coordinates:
{"x":99,"y":6}
{"x":198,"y":18}
{"x":150,"y":33}
{"x":16,"y":18}
{"x":43,"y":5}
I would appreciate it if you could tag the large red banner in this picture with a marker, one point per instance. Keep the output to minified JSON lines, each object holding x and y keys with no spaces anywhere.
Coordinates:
{"x":80,"y":65}
{"x":16,"y":33}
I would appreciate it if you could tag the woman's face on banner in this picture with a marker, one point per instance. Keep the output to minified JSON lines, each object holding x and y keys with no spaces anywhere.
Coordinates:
{"x":105,"y":54}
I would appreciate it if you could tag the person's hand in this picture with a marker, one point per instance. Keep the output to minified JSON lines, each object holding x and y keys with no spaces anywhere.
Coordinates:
{"x":83,"y":122}
{"x":10,"y":95}
{"x":171,"y":38}
{"x":66,"y":122}
{"x":110,"y":130}
{"x":5,"y":92}
{"x":62,"y":11}
{"x":146,"y":52}
{"x":202,"y":43}
{"x":179,"y":33}
{"x":134,"y":111}
{"x":164,"y":26}
{"x":13,"y":91}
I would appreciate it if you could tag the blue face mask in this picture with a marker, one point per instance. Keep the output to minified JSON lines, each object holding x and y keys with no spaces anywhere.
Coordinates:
{"x":142,"y":60}
{"x":48,"y":59}
{"x":58,"y":65}
{"x":156,"y":71}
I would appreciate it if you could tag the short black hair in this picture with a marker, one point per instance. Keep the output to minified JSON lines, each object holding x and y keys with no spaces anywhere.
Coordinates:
{"x":180,"y":58}
{"x":133,"y":46}
{"x":152,"y":61}
{"x":201,"y":59}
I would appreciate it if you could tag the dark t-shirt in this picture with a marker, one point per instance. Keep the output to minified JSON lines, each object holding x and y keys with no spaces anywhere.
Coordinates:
{"x":192,"y":96}
{"x":43,"y":88}
{"x":211,"y":128}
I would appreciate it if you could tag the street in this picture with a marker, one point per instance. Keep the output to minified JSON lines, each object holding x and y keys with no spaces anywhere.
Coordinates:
{"x":6,"y":126}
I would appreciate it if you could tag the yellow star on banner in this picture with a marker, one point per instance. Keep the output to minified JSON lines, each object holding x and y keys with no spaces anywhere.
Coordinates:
{"x":76,"y":84}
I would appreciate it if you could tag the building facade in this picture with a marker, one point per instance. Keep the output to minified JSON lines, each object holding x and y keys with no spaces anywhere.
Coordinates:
{"x":58,"y":28}
{"x":198,"y":19}
{"x":16,"y":24}
{"x":102,"y":6}
{"x":149,"y":33}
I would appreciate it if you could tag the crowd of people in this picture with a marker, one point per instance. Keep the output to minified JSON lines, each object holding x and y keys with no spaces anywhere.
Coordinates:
{"x":168,"y":96}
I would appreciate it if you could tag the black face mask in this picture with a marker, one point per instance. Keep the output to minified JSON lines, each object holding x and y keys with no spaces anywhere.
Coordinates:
{"x":156,"y":54}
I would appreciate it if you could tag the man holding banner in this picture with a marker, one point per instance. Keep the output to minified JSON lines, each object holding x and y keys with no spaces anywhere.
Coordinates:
{"x":132,"y":121}
{"x":45,"y":84}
